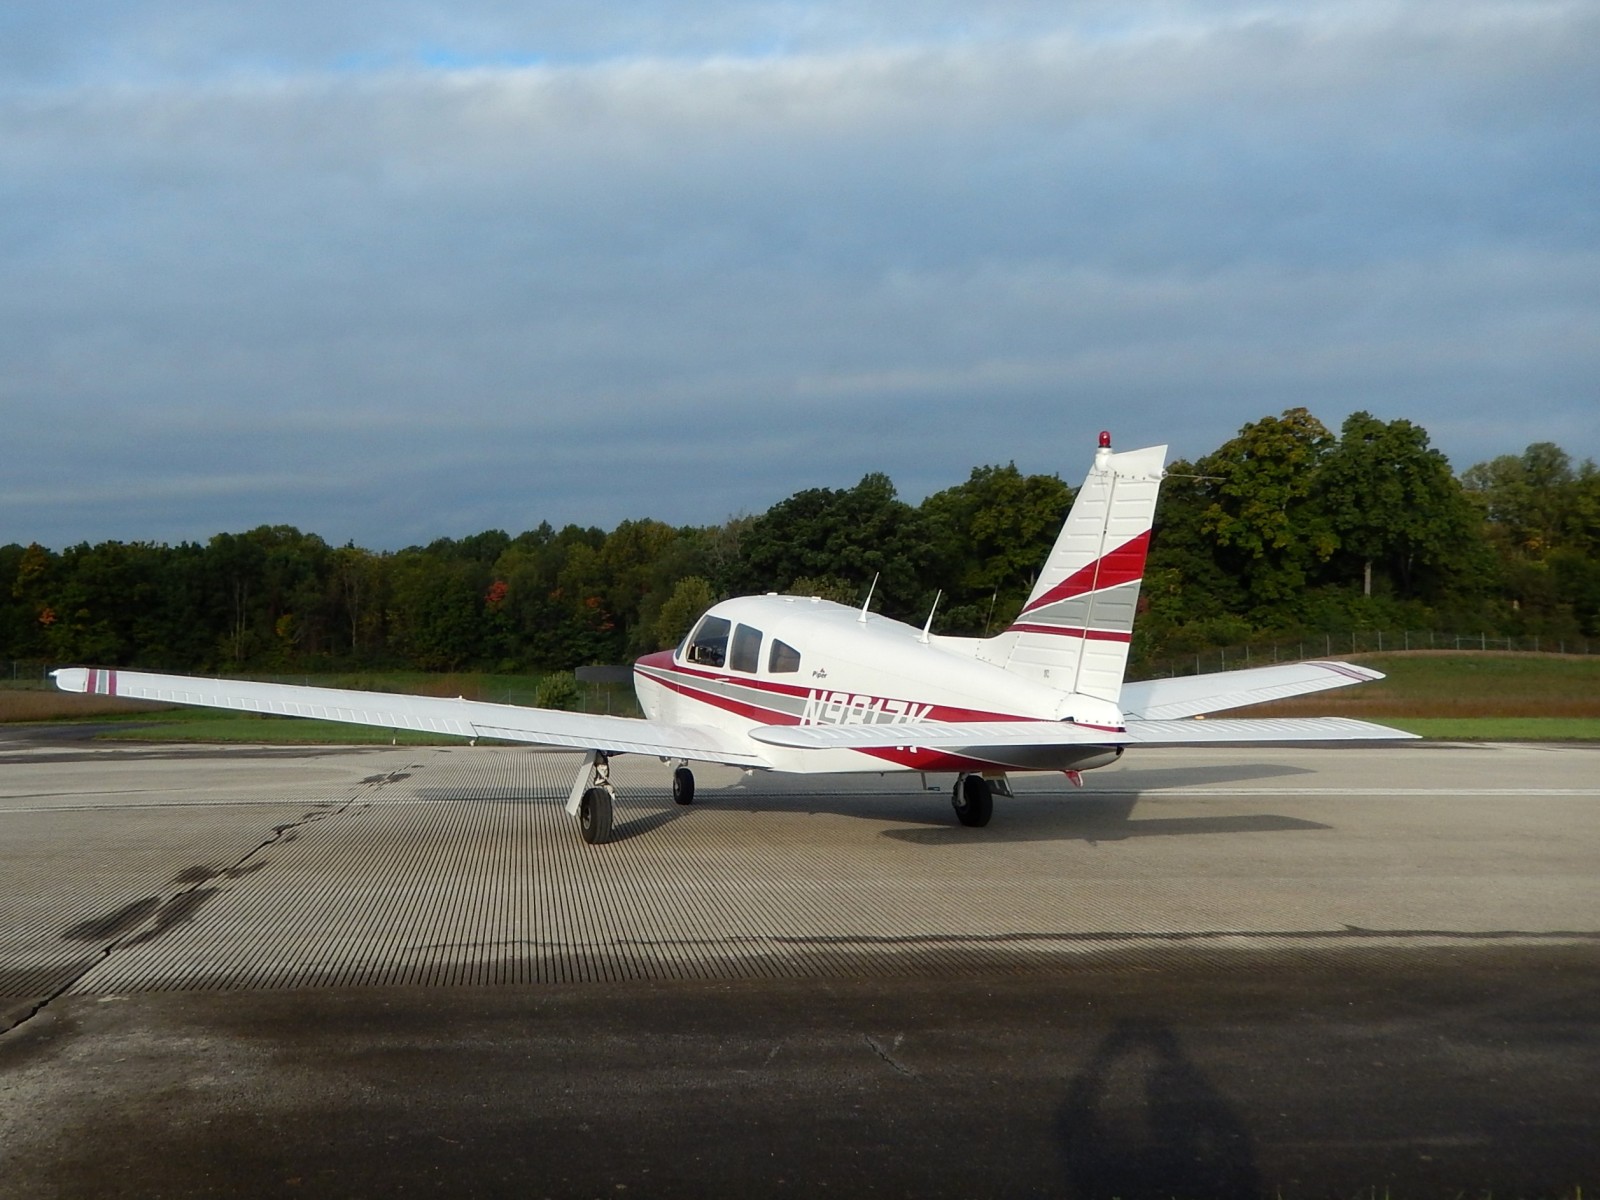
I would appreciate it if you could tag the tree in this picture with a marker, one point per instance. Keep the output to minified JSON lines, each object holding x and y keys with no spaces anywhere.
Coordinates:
{"x":988,"y":538}
{"x":1543,"y":520}
{"x":437,"y":610}
{"x":1394,"y":501}
{"x":690,"y":597}
{"x":1263,"y":510}
{"x":858,"y":533}
{"x":31,"y":570}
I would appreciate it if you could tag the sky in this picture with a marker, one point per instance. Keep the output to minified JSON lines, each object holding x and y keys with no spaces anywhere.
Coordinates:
{"x":391,"y":272}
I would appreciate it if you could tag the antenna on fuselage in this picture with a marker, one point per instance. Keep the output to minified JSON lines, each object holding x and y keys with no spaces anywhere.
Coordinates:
{"x":863,"y":617}
{"x":926,"y":629}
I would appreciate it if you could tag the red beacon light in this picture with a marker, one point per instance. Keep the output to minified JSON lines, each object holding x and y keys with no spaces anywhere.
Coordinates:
{"x":1105,"y":439}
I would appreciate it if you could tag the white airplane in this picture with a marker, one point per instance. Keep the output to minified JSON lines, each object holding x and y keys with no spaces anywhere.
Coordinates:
{"x":798,"y":684}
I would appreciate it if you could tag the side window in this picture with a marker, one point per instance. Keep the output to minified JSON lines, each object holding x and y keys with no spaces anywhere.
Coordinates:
{"x":784,"y":659}
{"x":746,"y":649}
{"x":708,"y":645}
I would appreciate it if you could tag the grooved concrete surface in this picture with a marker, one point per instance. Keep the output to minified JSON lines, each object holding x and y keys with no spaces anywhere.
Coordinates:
{"x":160,"y":870}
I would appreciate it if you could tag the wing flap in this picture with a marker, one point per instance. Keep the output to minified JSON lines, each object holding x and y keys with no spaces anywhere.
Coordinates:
{"x":426,"y":714}
{"x":1195,"y":695}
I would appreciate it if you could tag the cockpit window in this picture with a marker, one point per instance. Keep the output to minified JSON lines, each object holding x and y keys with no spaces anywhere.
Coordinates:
{"x":708,"y":645}
{"x":784,"y":658}
{"x":746,"y":649}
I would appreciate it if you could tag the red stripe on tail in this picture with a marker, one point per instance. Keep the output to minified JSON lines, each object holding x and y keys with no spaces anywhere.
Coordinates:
{"x":1125,"y":564}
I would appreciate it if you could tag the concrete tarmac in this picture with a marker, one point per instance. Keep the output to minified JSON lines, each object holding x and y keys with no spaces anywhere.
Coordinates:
{"x":1213,"y":972}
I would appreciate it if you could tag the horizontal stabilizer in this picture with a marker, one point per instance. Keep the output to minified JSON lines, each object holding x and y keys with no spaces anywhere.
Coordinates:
{"x":1194,"y":695}
{"x":426,"y":714}
{"x":1266,"y":729}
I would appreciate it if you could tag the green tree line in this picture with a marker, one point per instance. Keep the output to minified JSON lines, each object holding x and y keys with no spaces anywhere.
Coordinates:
{"x":1287,"y":528}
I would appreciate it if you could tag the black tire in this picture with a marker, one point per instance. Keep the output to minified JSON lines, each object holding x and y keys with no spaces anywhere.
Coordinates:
{"x":594,"y":816}
{"x":683,"y":785}
{"x":973,"y":801}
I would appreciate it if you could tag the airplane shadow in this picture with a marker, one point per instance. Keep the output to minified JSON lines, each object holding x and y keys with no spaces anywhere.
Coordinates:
{"x":637,"y":811}
{"x":645,"y":822}
{"x":925,"y":816}
{"x":1140,"y":779}
{"x":1142,"y":1120}
{"x":1102,"y":819}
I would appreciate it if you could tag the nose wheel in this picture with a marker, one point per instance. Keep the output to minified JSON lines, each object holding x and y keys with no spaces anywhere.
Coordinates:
{"x":593,"y":796}
{"x":594,"y":816}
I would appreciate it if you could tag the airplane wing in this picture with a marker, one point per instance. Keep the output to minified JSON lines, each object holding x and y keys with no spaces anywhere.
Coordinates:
{"x":429,"y":714}
{"x":1194,"y":695}
{"x":1013,"y":736}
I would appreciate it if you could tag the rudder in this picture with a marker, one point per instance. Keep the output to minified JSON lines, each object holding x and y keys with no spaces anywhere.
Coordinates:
{"x":1075,"y":631}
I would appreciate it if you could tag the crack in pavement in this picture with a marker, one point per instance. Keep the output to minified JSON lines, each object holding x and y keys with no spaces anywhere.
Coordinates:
{"x":877,"y":1048}
{"x":181,"y":906}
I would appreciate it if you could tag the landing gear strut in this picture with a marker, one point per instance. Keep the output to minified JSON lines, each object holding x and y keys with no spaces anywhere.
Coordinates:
{"x":592,"y":796}
{"x":683,"y":785}
{"x":973,"y":799}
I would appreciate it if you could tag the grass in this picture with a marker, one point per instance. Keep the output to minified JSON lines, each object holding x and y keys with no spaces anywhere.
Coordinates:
{"x":1500,"y":729}
{"x":1442,"y":695}
{"x":1467,"y":697}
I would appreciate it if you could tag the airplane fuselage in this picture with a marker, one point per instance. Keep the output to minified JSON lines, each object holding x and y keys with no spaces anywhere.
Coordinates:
{"x":788,"y":660}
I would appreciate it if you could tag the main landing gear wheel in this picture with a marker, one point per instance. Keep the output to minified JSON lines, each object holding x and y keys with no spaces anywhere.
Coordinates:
{"x":594,"y":815}
{"x":683,"y":785}
{"x":973,"y":799}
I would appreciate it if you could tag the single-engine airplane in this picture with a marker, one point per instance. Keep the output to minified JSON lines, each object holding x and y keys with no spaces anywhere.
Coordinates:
{"x":799,"y":684}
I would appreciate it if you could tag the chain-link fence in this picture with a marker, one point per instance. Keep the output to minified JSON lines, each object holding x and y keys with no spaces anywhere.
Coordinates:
{"x":26,"y":671}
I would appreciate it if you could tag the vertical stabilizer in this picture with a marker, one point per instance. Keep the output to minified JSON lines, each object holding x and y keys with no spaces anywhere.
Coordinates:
{"x":1075,"y":630}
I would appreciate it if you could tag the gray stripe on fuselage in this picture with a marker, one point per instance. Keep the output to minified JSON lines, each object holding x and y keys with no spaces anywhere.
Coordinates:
{"x":749,"y":694}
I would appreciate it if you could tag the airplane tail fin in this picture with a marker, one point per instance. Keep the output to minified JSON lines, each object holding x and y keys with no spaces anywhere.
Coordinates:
{"x":1075,"y":630}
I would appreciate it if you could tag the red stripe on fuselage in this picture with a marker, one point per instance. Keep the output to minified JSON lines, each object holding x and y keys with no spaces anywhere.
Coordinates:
{"x":683,"y":680}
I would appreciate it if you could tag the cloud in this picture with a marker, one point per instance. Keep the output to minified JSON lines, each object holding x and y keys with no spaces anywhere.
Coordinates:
{"x":479,"y":270}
